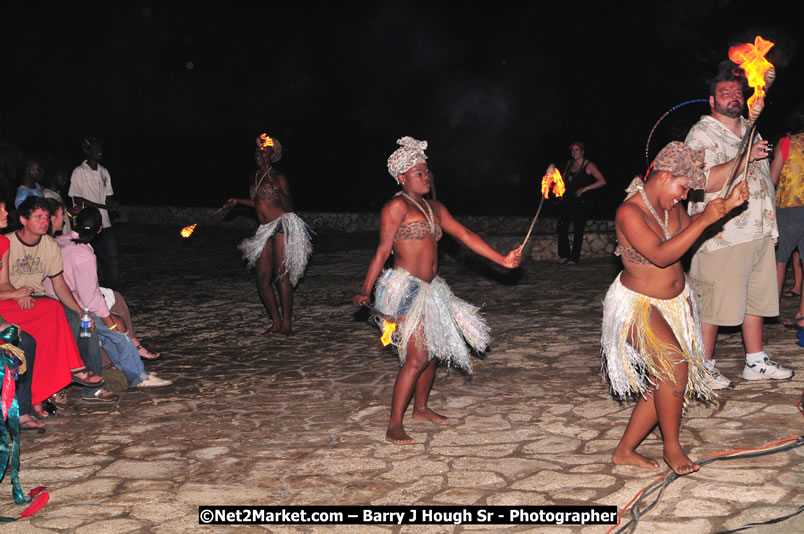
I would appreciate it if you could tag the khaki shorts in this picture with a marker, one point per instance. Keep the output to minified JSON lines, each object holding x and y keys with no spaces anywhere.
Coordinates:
{"x":736,"y":281}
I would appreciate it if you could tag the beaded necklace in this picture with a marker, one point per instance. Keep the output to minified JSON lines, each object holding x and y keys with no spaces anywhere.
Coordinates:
{"x":262,"y":176}
{"x":427,"y":214}
{"x":666,"y":224}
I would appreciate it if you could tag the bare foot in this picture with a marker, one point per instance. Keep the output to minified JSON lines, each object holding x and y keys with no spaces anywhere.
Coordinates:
{"x":631,"y":457}
{"x":678,"y":461}
{"x":274,"y":327}
{"x":429,"y":415}
{"x":284,"y":331}
{"x":398,"y":436}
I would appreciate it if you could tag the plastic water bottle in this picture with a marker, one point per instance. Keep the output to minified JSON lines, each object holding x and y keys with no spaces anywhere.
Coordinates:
{"x":86,"y":324}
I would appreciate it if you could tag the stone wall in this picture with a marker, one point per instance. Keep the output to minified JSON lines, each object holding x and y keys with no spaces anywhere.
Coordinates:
{"x":503,"y":233}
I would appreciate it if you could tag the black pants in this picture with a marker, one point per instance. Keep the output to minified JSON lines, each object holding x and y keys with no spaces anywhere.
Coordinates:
{"x":28,"y":346}
{"x":573,"y":210}
{"x":105,"y":247}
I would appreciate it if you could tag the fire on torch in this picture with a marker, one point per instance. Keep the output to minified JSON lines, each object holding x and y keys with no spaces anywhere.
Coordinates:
{"x":551,"y":180}
{"x":760,"y":74}
{"x":554,"y":179}
{"x":387,"y":331}
{"x":187,"y":231}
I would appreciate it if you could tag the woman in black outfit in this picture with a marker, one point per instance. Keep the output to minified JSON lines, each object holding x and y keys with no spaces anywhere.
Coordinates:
{"x":580,"y":177}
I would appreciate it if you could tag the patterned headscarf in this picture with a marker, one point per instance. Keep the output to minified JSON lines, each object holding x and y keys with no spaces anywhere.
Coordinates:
{"x":265,"y":141}
{"x":409,"y":154}
{"x":679,"y":159}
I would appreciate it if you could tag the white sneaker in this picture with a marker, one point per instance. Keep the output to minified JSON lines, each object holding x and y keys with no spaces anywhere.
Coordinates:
{"x":153,"y":381}
{"x":767,"y":369}
{"x":715,"y":379}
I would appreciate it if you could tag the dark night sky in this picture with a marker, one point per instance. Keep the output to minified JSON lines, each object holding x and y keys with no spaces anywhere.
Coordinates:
{"x":179,"y":93}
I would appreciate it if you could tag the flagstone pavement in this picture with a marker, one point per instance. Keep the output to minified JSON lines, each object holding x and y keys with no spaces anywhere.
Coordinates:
{"x":254,"y":420}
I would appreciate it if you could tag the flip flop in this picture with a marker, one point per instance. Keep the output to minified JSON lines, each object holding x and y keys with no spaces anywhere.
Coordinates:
{"x":147,"y":354}
{"x":795,"y":324}
{"x":790,"y":294}
{"x":84,"y":381}
{"x":101,"y":395}
{"x":30,"y":426}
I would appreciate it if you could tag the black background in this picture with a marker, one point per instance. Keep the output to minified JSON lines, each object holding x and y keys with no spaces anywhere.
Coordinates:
{"x":179,"y":93}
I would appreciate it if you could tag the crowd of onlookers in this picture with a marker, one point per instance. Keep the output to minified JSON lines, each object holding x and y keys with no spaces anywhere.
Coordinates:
{"x":58,"y":290}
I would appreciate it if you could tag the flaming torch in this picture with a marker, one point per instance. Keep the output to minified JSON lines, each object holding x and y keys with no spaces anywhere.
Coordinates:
{"x":558,"y":184}
{"x":551,"y":178}
{"x":760,"y":74}
{"x":387,"y":331}
{"x":187,"y":231}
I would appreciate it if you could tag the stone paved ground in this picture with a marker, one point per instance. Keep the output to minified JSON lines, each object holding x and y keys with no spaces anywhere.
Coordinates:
{"x":257,"y":420}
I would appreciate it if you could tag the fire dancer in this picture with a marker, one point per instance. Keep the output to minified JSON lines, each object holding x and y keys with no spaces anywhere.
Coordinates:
{"x":580,"y":176}
{"x":432,"y":322}
{"x":281,"y":246}
{"x":651,"y":342}
{"x":734,"y":269}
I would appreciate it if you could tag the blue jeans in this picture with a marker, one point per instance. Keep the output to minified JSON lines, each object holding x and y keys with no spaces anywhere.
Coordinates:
{"x":88,"y":347}
{"x":122,"y":352}
{"x":791,"y":232}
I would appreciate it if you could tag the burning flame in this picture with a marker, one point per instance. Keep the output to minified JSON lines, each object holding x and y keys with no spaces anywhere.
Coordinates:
{"x":187,"y":231}
{"x":265,"y":141}
{"x":751,"y":58}
{"x":387,"y":330}
{"x":553,"y":178}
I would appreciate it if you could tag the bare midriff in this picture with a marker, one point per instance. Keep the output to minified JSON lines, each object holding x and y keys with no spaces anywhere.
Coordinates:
{"x":419,"y":257}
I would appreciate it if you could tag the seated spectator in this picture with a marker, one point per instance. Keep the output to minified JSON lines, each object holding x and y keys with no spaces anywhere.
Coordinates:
{"x":32,"y":174}
{"x":56,"y":200}
{"x":81,"y":276}
{"x":28,"y":256}
{"x":58,"y":217}
{"x":114,"y":300}
{"x":56,"y":182}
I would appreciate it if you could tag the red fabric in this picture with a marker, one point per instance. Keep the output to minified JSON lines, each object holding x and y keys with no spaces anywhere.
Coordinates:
{"x":4,"y":244}
{"x":37,"y":504}
{"x":7,"y":397}
{"x":784,"y":144}
{"x":56,"y":351}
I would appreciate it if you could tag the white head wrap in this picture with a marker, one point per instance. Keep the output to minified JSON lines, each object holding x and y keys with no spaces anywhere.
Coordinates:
{"x":409,"y":154}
